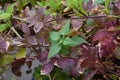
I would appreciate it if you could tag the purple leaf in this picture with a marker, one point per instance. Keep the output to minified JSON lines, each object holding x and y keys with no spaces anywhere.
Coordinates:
{"x":38,"y":26}
{"x":48,"y":18}
{"x":90,"y":75}
{"x":59,"y":16}
{"x":41,"y":11}
{"x":25,"y":29}
{"x":88,"y":6}
{"x":75,"y":69}
{"x":57,"y":26}
{"x":40,"y":39}
{"x":4,"y":45}
{"x":47,"y":68}
{"x":85,"y":48}
{"x":43,"y":56}
{"x":77,"y":24}
{"x":32,"y":40}
{"x":111,"y":25}
{"x":64,"y":62}
{"x":31,"y":13}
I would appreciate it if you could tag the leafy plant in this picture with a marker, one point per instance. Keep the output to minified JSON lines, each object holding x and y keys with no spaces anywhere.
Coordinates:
{"x":81,"y":41}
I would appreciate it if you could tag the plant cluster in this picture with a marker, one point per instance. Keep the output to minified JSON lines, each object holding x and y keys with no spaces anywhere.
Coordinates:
{"x":72,"y":39}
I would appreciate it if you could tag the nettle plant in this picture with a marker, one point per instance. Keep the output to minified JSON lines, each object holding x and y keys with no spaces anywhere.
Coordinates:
{"x":80,"y":42}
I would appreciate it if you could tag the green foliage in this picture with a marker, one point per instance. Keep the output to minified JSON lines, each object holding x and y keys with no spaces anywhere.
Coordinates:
{"x":74,"y":41}
{"x":54,"y":4}
{"x":10,"y":9}
{"x":37,"y":75}
{"x":60,"y":43}
{"x":5,"y":16}
{"x":106,"y":6}
{"x":3,"y":27}
{"x":55,"y":36}
{"x":21,"y":53}
{"x":98,"y":1}
{"x":6,"y":59}
{"x":66,"y":28}
{"x":76,"y":5}
{"x":54,"y":49}
{"x":42,"y":3}
{"x":89,"y":22}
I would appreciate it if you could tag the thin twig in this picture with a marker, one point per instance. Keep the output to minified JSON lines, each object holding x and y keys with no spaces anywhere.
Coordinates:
{"x":16,"y":32}
{"x":84,"y":18}
{"x":117,"y":74}
{"x":49,"y":77}
{"x":21,"y":19}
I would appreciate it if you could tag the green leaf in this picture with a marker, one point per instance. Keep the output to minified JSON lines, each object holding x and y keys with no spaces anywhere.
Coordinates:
{"x":55,"y":36}
{"x":60,"y":75}
{"x":118,"y":27}
{"x":78,"y":40}
{"x":10,"y":8}
{"x":112,"y":76}
{"x":85,"y":1}
{"x":53,"y":5}
{"x":1,"y":11}
{"x":106,"y":6}
{"x":66,"y":28}
{"x":54,"y":49}
{"x":5,"y":16}
{"x":3,"y":27}
{"x":6,"y":59}
{"x":68,"y":41}
{"x":64,"y":50}
{"x":70,"y":3}
{"x":21,"y":53}
{"x":98,"y":1}
{"x":89,"y":22}
{"x":79,"y":5}
{"x":74,"y":41}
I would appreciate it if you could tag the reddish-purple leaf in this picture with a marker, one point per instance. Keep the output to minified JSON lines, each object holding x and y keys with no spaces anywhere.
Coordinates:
{"x":43,"y":56}
{"x":16,"y":71}
{"x":47,"y":67}
{"x":64,"y":62}
{"x":100,"y":35}
{"x":18,"y":63}
{"x":90,"y":75}
{"x":85,"y":48}
{"x":88,"y":63}
{"x":111,"y":24}
{"x":106,"y":47}
{"x":4,"y":45}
